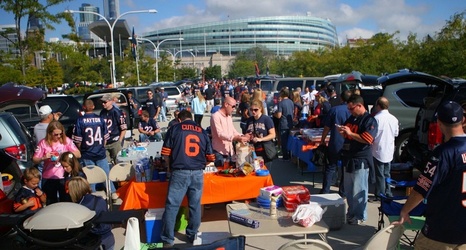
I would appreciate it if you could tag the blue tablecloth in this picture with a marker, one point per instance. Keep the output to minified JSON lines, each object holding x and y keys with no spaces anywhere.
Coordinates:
{"x":295,"y":145}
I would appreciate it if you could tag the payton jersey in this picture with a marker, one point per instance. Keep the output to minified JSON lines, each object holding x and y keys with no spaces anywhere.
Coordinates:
{"x":91,"y":132}
{"x":443,"y":183}
{"x":116,"y":122}
{"x":188,"y":146}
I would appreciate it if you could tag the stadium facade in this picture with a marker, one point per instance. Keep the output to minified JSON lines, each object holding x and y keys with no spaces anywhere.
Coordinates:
{"x":281,"y":34}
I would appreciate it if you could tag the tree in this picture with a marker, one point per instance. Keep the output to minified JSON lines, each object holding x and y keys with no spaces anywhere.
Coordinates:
{"x":31,"y":9}
{"x":214,"y":72}
{"x":52,"y":73}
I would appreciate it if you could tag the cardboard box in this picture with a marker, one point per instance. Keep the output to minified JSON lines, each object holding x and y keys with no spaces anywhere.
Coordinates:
{"x":335,"y":216}
{"x":153,"y":219}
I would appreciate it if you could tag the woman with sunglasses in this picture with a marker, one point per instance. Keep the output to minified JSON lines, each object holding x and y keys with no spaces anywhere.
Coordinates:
{"x":48,"y":151}
{"x":260,"y":128}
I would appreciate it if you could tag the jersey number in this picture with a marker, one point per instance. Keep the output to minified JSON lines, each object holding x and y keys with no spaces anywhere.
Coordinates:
{"x":191,"y":147}
{"x":93,"y":136}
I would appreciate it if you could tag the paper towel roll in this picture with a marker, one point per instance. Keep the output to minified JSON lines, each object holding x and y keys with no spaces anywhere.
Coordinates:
{"x":132,"y":239}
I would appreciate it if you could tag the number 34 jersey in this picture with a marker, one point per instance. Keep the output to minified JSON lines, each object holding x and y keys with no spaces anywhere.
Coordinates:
{"x":188,"y":146}
{"x":91,"y":131}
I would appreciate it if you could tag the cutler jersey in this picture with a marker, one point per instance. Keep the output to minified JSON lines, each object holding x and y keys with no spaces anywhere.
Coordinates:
{"x":91,"y":132}
{"x":116,"y":122}
{"x":443,"y":184}
{"x":188,"y":146}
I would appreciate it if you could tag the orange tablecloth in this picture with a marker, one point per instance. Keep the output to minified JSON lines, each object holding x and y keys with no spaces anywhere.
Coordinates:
{"x":143,"y":195}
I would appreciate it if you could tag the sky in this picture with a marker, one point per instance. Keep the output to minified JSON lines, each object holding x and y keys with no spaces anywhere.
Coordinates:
{"x":353,"y":19}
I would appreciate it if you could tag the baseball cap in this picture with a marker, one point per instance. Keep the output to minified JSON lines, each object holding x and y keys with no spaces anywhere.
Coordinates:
{"x":450,"y":112}
{"x":312,"y":87}
{"x":107,"y":97}
{"x":330,"y":88}
{"x":45,"y":110}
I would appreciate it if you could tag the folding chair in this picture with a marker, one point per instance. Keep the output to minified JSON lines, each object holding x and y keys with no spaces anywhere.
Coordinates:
{"x":121,"y":172}
{"x":391,"y":207}
{"x":306,"y":244}
{"x":387,"y":238}
{"x":96,"y":175}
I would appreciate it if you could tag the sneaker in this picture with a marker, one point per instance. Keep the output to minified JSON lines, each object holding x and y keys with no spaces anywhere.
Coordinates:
{"x":354,"y":221}
{"x":167,"y":245}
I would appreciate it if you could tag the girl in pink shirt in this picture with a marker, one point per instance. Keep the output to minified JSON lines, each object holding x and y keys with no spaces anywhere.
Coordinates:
{"x":48,"y":150}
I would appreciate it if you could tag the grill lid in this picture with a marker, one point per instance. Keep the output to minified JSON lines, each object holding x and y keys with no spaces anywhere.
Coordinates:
{"x":61,"y":215}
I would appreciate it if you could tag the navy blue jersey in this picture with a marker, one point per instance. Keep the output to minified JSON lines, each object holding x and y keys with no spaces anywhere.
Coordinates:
{"x":337,"y":115}
{"x":286,"y":107}
{"x":26,"y":194}
{"x":115,"y":121}
{"x":152,"y":105}
{"x":260,"y":127}
{"x":148,"y":126}
{"x":91,"y":132}
{"x":188,"y":146}
{"x":443,"y":183}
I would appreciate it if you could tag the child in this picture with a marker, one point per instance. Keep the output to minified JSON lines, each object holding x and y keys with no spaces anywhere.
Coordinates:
{"x":72,"y":168}
{"x":80,"y":192}
{"x":29,"y":198}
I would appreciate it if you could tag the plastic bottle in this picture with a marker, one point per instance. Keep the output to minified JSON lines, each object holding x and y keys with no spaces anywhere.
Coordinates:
{"x":147,"y":172}
{"x":273,"y":206}
{"x":1,"y":183}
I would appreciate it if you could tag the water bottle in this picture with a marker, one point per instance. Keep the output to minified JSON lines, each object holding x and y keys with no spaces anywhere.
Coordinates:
{"x":273,"y":206}
{"x":147,"y":172}
{"x":139,"y":172}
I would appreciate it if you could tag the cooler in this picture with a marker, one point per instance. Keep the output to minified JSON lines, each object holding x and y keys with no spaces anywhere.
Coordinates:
{"x":153,"y":219}
{"x":335,"y":216}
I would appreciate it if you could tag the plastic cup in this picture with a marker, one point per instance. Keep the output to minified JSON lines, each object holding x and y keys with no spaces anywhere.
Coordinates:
{"x":163,"y":176}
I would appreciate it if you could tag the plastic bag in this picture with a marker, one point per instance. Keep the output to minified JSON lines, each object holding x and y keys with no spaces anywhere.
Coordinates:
{"x":243,"y":154}
{"x":308,"y":214}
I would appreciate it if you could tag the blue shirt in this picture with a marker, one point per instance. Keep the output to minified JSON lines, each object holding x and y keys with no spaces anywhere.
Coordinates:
{"x":91,"y":132}
{"x":337,"y":115}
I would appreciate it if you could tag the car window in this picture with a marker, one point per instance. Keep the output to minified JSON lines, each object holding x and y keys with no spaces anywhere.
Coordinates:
{"x":172,"y":91}
{"x":412,"y":97}
{"x":57,"y":104}
{"x":24,"y":112}
{"x":291,"y":84}
{"x":266,"y":85}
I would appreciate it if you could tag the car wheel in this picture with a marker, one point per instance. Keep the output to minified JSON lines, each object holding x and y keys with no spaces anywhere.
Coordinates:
{"x":400,"y":145}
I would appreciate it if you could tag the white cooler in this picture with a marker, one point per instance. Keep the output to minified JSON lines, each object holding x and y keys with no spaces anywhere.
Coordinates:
{"x":335,"y":216}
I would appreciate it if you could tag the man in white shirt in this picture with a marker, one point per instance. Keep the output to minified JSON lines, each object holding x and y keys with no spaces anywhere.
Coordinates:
{"x":384,"y":145}
{"x":306,"y":97}
{"x":313,"y":97}
{"x":46,"y":116}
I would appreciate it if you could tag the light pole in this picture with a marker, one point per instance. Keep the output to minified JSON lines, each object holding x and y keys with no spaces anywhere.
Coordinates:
{"x":111,"y":27}
{"x":174,"y":57}
{"x":157,"y":55}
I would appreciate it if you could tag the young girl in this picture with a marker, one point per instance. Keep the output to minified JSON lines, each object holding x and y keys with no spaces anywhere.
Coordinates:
{"x":72,"y":168}
{"x":29,"y":198}
{"x":80,"y":192}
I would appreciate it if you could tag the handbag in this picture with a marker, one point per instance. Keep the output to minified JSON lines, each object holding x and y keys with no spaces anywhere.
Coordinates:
{"x":308,"y":214}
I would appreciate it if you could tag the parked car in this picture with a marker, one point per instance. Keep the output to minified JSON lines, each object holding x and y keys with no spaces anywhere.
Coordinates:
{"x":16,"y":150}
{"x":427,"y":134}
{"x":408,"y":92}
{"x":24,"y":102}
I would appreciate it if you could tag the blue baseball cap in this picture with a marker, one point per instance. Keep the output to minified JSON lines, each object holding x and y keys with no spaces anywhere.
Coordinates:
{"x":450,"y":112}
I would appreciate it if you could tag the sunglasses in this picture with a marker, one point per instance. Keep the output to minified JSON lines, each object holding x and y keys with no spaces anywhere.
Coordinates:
{"x":103,"y":102}
{"x":254,"y":110}
{"x":352,"y":108}
{"x":57,"y":134}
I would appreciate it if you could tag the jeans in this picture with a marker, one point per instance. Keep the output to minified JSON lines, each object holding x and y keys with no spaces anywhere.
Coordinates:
{"x":356,"y":189}
{"x":103,"y":164}
{"x":189,"y":183}
{"x":329,"y":176}
{"x":163,"y":112}
{"x":382,"y":171}
{"x":198,"y":119}
{"x":284,"y":134}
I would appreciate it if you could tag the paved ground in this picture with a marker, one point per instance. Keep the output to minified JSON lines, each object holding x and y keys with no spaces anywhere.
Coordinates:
{"x":215,"y":226}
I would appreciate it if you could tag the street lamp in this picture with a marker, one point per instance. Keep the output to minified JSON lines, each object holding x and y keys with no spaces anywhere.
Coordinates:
{"x":111,"y":27}
{"x":174,"y":57}
{"x":157,"y":57}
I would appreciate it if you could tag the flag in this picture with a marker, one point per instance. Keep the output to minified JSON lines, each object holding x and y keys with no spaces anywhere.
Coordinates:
{"x":257,"y":70}
{"x":134,"y":44}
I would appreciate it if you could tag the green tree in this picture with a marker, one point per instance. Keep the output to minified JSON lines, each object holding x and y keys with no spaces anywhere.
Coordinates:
{"x":214,"y":72}
{"x":30,"y":9}
{"x":52,"y":74}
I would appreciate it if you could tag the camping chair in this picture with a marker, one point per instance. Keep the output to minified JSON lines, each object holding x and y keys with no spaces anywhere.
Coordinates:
{"x":121,"y":172}
{"x":96,"y":175}
{"x":306,"y":244}
{"x":391,"y":207}
{"x":387,"y":238}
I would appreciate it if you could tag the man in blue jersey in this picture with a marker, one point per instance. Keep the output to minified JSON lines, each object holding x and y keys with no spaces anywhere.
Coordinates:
{"x":443,"y":185}
{"x":359,"y":131}
{"x":187,"y":150}
{"x":285,"y":115}
{"x":90,"y":136}
{"x":116,"y":126}
{"x":152,"y":105}
{"x":336,"y":116}
{"x":148,"y":128}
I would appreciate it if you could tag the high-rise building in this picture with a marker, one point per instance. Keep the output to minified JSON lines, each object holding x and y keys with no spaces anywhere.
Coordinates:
{"x":5,"y":44}
{"x":111,"y":9}
{"x":84,"y":20}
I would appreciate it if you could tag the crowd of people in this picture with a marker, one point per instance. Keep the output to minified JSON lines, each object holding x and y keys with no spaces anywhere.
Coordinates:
{"x":361,"y":142}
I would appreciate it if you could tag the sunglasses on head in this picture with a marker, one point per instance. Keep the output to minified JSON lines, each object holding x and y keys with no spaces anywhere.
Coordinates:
{"x":59,"y":134}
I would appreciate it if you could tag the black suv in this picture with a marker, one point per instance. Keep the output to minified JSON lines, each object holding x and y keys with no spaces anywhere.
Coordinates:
{"x":24,"y":102}
{"x":428,"y":134}
{"x":16,"y":150}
